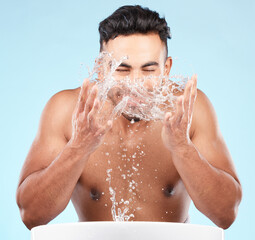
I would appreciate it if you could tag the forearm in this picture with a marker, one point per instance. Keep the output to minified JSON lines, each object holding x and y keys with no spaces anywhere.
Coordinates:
{"x":45,"y":194}
{"x":214,"y":192}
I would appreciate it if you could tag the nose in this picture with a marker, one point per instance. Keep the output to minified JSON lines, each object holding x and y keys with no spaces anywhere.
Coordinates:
{"x":147,"y":81}
{"x":148,"y":84}
{"x":136,"y":74}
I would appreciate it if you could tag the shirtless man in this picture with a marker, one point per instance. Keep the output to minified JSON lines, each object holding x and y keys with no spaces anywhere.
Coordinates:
{"x":180,"y":159}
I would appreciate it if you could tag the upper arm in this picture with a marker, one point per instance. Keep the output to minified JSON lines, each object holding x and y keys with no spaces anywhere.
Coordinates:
{"x":207,"y":136}
{"x":50,"y":138}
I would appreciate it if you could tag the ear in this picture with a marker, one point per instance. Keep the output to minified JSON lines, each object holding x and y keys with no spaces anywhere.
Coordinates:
{"x":168,"y":65}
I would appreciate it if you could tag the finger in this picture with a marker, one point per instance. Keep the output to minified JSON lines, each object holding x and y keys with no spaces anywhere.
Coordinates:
{"x":179,"y":110}
{"x":167,"y":117}
{"x":90,"y":100}
{"x":108,"y":125}
{"x":102,"y":131}
{"x":93,"y":113}
{"x":186,"y":104}
{"x":193,"y":98}
{"x":83,"y":95}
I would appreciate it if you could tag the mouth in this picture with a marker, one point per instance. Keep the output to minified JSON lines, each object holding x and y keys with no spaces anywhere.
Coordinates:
{"x":131,"y":118}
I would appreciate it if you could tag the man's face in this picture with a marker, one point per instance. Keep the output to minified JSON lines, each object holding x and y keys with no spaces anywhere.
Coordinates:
{"x":146,"y":57}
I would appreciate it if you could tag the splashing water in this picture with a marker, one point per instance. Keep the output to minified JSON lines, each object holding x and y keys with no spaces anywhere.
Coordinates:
{"x":119,"y":215}
{"x":146,"y":98}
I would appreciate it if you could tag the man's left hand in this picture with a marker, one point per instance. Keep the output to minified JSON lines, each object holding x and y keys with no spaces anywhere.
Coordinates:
{"x":176,"y":125}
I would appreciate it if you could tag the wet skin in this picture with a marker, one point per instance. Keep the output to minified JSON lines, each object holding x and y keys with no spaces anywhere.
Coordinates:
{"x":159,"y":195}
{"x":174,"y":163}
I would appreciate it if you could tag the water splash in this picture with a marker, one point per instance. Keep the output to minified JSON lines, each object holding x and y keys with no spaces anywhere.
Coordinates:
{"x":119,"y":215}
{"x":146,"y":98}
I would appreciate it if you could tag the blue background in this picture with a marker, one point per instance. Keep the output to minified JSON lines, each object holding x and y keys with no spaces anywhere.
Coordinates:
{"x":43,"y":43}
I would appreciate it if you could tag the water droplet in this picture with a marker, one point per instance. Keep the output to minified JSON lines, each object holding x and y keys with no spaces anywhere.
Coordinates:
{"x":134,"y":168}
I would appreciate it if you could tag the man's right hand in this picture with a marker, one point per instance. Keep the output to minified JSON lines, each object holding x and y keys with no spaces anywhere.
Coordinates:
{"x":87,"y":131}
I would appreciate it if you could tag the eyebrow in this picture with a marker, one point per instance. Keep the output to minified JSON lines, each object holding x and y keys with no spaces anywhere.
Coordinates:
{"x":125,"y":65}
{"x":148,"y":64}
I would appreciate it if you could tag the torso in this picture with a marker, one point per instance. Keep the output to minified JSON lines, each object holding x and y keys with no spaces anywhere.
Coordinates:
{"x":142,"y":173}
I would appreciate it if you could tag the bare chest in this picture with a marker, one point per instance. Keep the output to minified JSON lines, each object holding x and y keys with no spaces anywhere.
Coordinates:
{"x":135,"y":171}
{"x":132,"y":165}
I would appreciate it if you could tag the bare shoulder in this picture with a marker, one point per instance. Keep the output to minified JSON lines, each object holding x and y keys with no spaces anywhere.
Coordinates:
{"x":202,"y":99}
{"x":62,"y":102}
{"x":64,"y":98}
{"x":57,"y":112}
{"x":204,"y":120}
{"x":203,"y":108}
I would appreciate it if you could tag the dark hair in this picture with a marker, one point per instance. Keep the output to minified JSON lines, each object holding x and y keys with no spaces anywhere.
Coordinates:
{"x":128,"y":20}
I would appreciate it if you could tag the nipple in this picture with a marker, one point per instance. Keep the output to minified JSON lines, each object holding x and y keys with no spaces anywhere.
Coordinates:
{"x":168,"y":191}
{"x":94,"y":194}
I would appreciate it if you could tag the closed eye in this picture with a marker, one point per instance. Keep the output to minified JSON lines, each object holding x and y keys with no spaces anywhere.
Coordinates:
{"x":122,"y":70}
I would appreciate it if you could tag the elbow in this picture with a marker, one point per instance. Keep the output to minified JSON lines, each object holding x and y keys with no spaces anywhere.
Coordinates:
{"x":31,"y":220}
{"x":27,"y":219}
{"x":228,"y":218}
{"x":226,"y":222}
